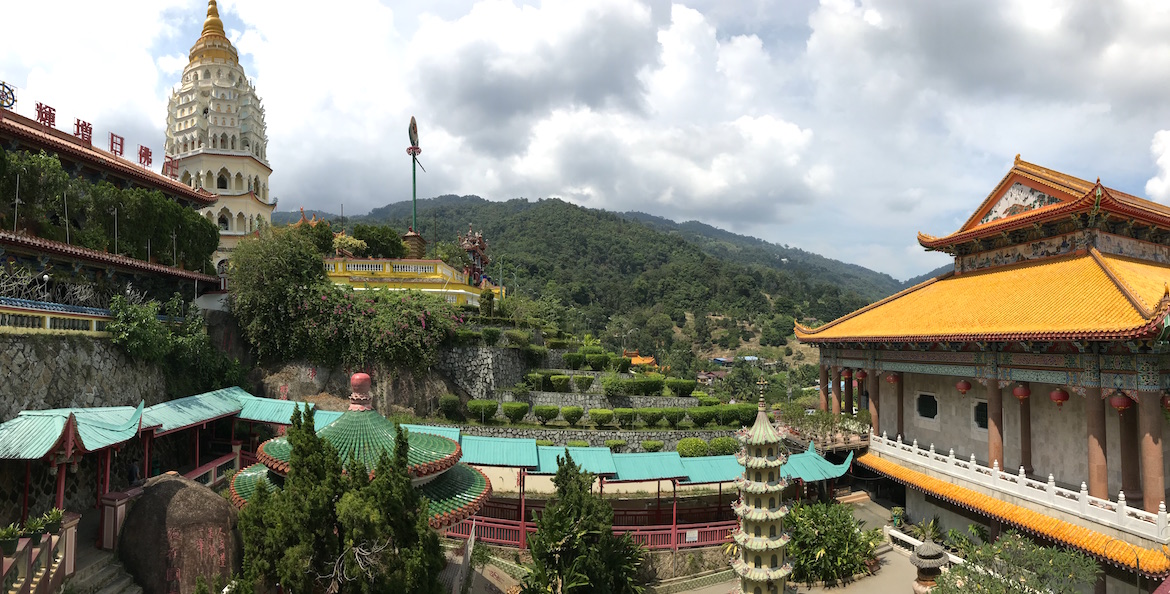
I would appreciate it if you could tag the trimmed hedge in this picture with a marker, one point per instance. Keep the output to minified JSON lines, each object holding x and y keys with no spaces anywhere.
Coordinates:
{"x":646,"y":385}
{"x":490,"y":336}
{"x":573,"y":360}
{"x":625,"y":416}
{"x":702,"y":416}
{"x":699,"y":393}
{"x":518,"y":338}
{"x":615,"y":445}
{"x":583,"y":382}
{"x":612,"y":385}
{"x":560,"y":383}
{"x":483,"y":409}
{"x":708,"y":401}
{"x":515,"y":411}
{"x":673,"y":416}
{"x":546,"y":412}
{"x":534,"y":354}
{"x":691,"y":447}
{"x":576,"y":443}
{"x":601,"y":416}
{"x":449,"y":406}
{"x":544,"y":442}
{"x":650,"y":416}
{"x":591,"y":350}
{"x":681,"y":387}
{"x":597,"y":362}
{"x":561,"y":343}
{"x":623,"y":364}
{"x":572,"y":414}
{"x":535,"y":381}
{"x":722,"y":446}
{"x":466,"y":337}
{"x":652,"y":445}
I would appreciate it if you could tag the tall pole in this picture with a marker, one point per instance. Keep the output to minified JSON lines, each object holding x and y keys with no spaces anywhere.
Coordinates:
{"x":16,"y":204}
{"x":65,"y":196}
{"x":414,"y":193}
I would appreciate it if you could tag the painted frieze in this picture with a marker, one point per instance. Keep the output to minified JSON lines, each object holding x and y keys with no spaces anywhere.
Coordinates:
{"x":1018,"y":199}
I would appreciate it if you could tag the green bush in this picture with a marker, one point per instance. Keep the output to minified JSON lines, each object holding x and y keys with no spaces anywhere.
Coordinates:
{"x":449,"y":406}
{"x":615,"y":445}
{"x":722,"y":446}
{"x":515,"y":411}
{"x":601,"y":416}
{"x":535,"y":381}
{"x":518,"y":338}
{"x":560,"y":383}
{"x":598,"y":361}
{"x":583,"y":382}
{"x":467,"y":337}
{"x":483,"y":409}
{"x":691,"y":447}
{"x":534,"y":354}
{"x":681,"y":387}
{"x":708,"y":401}
{"x":490,"y":336}
{"x":828,"y":543}
{"x":544,"y":442}
{"x":572,"y":414}
{"x":649,"y":384}
{"x":700,"y":394}
{"x":560,"y":343}
{"x":745,"y":413}
{"x":623,"y":365}
{"x":625,"y":416}
{"x":650,"y":416}
{"x":673,"y":416}
{"x":573,"y":360}
{"x":591,"y":350}
{"x":701,"y":416}
{"x":576,"y":443}
{"x":652,"y":445}
{"x":521,"y":389}
{"x":612,"y":385}
{"x":546,"y":412}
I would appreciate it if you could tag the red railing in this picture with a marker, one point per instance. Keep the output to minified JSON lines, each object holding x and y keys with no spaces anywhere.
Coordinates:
{"x":682,"y":536}
{"x":687,"y":513}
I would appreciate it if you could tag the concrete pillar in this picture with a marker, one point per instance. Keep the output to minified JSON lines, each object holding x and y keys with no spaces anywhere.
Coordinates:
{"x":1150,"y":427}
{"x":847,"y":404}
{"x":1095,"y":432}
{"x":874,"y":387}
{"x":823,"y":403}
{"x":1131,"y":478}
{"x":1026,"y":434}
{"x":836,"y":387}
{"x":994,"y":423}
{"x":901,"y":406}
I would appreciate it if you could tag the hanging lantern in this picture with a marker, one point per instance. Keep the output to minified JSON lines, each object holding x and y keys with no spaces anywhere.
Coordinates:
{"x":1120,"y":401}
{"x":861,"y":374}
{"x":892,"y":378}
{"x":1059,"y":396}
{"x":1022,"y":392}
{"x":963,"y":386}
{"x":847,"y":373}
{"x":1166,"y":400}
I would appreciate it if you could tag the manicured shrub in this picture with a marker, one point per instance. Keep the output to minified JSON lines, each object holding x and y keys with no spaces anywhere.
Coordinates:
{"x":583,"y":382}
{"x":449,"y":406}
{"x":559,"y":343}
{"x":515,"y":411}
{"x":591,"y":350}
{"x":652,"y":445}
{"x":483,"y":409}
{"x":597,"y":362}
{"x":560,"y":383}
{"x":646,"y":385}
{"x":601,"y":416}
{"x":521,"y":389}
{"x":546,"y":412}
{"x":466,"y":337}
{"x":701,"y":416}
{"x":722,"y":446}
{"x":544,"y":442}
{"x":691,"y":447}
{"x":700,"y":394}
{"x":625,"y":416}
{"x":612,"y":385}
{"x":650,"y":416}
{"x":708,"y":400}
{"x":490,"y":336}
{"x":572,"y":414}
{"x":577,"y":443}
{"x":573,"y":360}
{"x":534,"y":354}
{"x":615,"y":445}
{"x":673,"y":416}
{"x":725,"y":413}
{"x":535,"y":381}
{"x":681,"y":387}
{"x":623,"y":365}
{"x":746,"y":413}
{"x":518,"y":338}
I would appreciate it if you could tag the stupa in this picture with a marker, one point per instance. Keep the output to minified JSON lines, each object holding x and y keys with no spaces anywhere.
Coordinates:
{"x":760,"y":537}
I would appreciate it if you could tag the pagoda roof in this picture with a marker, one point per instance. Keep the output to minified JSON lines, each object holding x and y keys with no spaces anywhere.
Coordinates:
{"x":1083,"y":295}
{"x":40,"y":245}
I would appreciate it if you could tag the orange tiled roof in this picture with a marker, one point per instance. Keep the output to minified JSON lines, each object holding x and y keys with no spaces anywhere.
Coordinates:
{"x":1081,"y":295}
{"x":1153,"y":562}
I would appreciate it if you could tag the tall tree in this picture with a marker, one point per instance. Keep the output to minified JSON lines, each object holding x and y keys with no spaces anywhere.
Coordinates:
{"x":382,"y":241}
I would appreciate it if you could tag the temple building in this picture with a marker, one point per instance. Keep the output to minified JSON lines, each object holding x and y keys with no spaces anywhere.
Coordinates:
{"x":760,"y":537}
{"x":1060,"y":292}
{"x":216,"y":135}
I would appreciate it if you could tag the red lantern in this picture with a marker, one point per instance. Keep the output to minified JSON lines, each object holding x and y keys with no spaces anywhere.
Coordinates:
{"x":847,"y":373}
{"x":1120,"y":401}
{"x":1166,"y":400}
{"x":861,"y":374}
{"x":963,"y":386}
{"x":1022,"y":392}
{"x":1059,"y":396}
{"x":892,"y":378}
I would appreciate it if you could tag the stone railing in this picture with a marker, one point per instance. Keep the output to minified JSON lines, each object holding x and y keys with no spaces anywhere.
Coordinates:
{"x":906,"y":543}
{"x":1114,"y":514}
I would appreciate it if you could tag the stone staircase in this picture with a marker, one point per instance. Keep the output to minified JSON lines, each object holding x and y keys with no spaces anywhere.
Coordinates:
{"x":100,"y":572}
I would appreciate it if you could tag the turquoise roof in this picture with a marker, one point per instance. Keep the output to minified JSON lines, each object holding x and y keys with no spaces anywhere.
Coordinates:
{"x":711,"y":469}
{"x":192,"y":410}
{"x":649,"y":466}
{"x":323,"y":418}
{"x":809,"y":466}
{"x":498,"y":451}
{"x":267,"y":410}
{"x":595,"y":460}
{"x":33,"y":433}
{"x":451,"y":433}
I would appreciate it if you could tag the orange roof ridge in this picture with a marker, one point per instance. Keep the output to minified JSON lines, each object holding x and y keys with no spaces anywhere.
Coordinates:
{"x":806,"y":330}
{"x":1124,"y":288}
{"x":1071,"y":181}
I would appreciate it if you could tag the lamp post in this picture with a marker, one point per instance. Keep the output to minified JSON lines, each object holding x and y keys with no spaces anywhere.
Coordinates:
{"x":16,"y":204}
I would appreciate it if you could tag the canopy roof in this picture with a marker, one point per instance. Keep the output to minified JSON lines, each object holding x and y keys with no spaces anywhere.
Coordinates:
{"x":495,"y":451}
{"x":598,"y":461}
{"x":810,"y":467}
{"x":35,"y":433}
{"x":174,"y":415}
{"x":648,"y":466}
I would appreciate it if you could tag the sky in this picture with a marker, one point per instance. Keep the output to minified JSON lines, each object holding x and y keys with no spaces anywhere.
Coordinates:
{"x":841,"y":127}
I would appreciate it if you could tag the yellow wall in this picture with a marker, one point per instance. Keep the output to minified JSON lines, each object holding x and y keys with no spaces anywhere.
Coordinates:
{"x":428,"y":276}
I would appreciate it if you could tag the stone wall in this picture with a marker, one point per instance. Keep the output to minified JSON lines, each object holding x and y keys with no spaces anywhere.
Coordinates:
{"x":597,"y":437}
{"x":480,"y":371}
{"x":589,"y":401}
{"x":392,"y":387}
{"x":45,"y":371}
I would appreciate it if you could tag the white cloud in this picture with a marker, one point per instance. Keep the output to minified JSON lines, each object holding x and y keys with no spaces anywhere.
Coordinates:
{"x":1158,"y":187}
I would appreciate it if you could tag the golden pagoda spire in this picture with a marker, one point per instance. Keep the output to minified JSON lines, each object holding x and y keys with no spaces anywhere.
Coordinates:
{"x":213,"y":26}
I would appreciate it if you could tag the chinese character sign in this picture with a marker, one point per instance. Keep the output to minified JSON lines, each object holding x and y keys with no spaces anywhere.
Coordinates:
{"x":170,"y":168}
{"x":83,"y":130}
{"x":46,"y":115}
{"x":144,"y":156}
{"x":116,"y":144}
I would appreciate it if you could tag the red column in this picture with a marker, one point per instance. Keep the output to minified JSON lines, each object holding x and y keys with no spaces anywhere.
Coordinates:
{"x":823,"y":391}
{"x":836,"y":384}
{"x":196,"y":447}
{"x":874,"y":387}
{"x":59,"y":502}
{"x":847,"y":405}
{"x":1153,"y":474}
{"x":994,"y":423}
{"x":523,"y":518}
{"x":1026,"y":434}
{"x":146,"y":456}
{"x":674,"y":515}
{"x":1131,"y":478}
{"x":1095,"y":428}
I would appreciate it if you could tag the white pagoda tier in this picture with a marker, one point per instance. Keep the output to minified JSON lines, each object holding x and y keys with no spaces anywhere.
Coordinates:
{"x":760,"y":537}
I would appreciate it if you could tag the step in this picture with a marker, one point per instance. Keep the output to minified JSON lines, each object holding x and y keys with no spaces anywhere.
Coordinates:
{"x":89,"y":564}
{"x":106,"y":574}
{"x":118,"y":585}
{"x":854,"y":497}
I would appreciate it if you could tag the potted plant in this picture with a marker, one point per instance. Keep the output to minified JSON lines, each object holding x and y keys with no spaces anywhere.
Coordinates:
{"x":34,"y":529}
{"x":9,"y":537}
{"x":896,"y":515}
{"x":52,"y":520}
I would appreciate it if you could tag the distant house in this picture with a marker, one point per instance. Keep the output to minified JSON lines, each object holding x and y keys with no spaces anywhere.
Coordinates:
{"x":708,"y":378}
{"x":637,"y":359}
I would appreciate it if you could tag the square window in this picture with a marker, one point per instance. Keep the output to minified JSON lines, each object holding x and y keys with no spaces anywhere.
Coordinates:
{"x":980,"y":415}
{"x":927,"y":406}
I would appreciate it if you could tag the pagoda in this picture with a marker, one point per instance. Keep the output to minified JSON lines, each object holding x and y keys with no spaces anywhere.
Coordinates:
{"x":760,"y":537}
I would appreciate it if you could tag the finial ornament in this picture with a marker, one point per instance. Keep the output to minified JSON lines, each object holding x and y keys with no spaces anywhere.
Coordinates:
{"x":763,"y":384}
{"x":213,"y":25}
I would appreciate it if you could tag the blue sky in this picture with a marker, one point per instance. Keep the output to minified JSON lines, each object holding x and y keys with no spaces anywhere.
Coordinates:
{"x":842,"y":127}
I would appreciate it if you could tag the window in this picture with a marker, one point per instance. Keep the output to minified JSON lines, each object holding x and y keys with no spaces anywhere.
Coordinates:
{"x":927,"y":406}
{"x":221,"y":182}
{"x":223,"y":223}
{"x":772,"y":533}
{"x":757,"y":532}
{"x":979,"y":415}
{"x":771,"y":504}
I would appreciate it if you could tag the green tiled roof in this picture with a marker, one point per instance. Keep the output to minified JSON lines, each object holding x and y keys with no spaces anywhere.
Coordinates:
{"x":244,"y":483}
{"x":761,"y":432}
{"x":323,"y":418}
{"x":648,"y":466}
{"x":364,"y":435}
{"x":451,"y":433}
{"x":266,"y":410}
{"x":456,"y":494}
{"x":596,"y":460}
{"x":499,"y":451}
{"x":192,"y":410}
{"x":809,"y":466}
{"x":33,"y":433}
{"x":711,"y":469}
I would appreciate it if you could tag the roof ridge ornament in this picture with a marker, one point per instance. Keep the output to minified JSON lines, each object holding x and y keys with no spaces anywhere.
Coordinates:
{"x":213,"y":25}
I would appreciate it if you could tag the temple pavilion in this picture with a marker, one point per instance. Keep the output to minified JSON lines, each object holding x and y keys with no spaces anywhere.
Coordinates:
{"x":1059,"y":293}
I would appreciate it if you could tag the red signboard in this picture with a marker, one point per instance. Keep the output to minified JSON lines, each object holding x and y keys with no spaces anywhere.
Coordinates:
{"x":116,"y":144}
{"x":46,"y":115}
{"x":83,"y":130}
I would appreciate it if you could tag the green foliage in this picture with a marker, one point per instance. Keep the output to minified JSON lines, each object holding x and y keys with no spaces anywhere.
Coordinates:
{"x":381,"y":241}
{"x":1015,"y":564}
{"x":615,"y":445}
{"x":515,"y":411}
{"x":650,"y":416}
{"x":521,"y":389}
{"x":583,"y":382}
{"x":451,"y":254}
{"x":560,"y":383}
{"x":534,"y":354}
{"x":559,"y":343}
{"x":572,"y":414}
{"x":467,"y":337}
{"x":828,"y":544}
{"x":601,"y":416}
{"x":673,"y":416}
{"x":612,"y":385}
{"x":201,"y":585}
{"x":449,"y":406}
{"x":347,"y":243}
{"x":591,"y":349}
{"x":535,"y":381}
{"x":691,"y":447}
{"x":597,"y":362}
{"x":708,"y":401}
{"x":573,"y":360}
{"x":652,"y":445}
{"x":487,"y":301}
{"x":546,"y":412}
{"x":544,"y":442}
{"x":483,"y":409}
{"x":681,"y":387}
{"x":926,"y":530}
{"x":9,"y":532}
{"x":723,"y":446}
{"x":701,"y":416}
{"x":625,"y":417}
{"x":490,"y":335}
{"x":517,"y":338}
{"x":649,"y":384}
{"x":576,"y":443}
